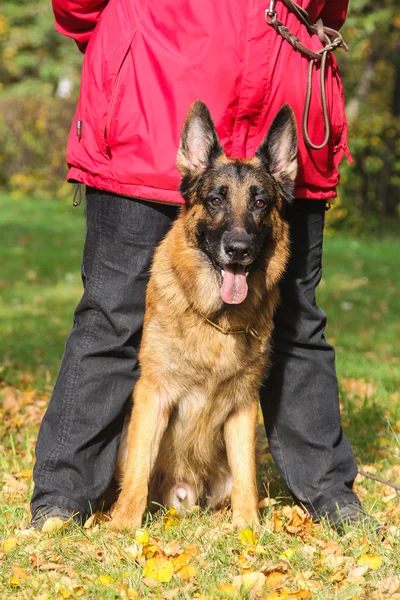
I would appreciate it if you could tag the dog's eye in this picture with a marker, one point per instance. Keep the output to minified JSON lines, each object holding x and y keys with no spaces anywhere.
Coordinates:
{"x":215,"y":201}
{"x":260,"y":203}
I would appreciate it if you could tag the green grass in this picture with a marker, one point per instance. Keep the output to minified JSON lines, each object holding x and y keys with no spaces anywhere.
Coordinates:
{"x":41,"y":244}
{"x":41,"y":247}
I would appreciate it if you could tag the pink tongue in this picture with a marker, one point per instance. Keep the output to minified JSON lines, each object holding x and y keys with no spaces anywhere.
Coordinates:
{"x":234,"y":286}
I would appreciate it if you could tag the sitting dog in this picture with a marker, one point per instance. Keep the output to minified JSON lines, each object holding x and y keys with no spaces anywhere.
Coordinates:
{"x":209,"y":315}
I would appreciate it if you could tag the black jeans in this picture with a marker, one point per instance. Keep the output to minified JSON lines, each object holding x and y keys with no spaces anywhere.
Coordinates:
{"x":80,"y":432}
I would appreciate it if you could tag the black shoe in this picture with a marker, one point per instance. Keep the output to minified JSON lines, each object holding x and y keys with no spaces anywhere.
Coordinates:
{"x":50,"y":519}
{"x":343,"y":517}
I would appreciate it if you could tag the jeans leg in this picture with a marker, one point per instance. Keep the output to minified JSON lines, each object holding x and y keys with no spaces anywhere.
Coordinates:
{"x":300,"y":399}
{"x":79,"y":435}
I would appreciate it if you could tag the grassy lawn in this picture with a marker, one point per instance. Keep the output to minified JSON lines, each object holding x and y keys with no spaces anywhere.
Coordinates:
{"x":199,"y":556}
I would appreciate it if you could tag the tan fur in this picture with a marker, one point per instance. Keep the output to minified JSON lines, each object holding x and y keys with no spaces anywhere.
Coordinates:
{"x":195,"y":405}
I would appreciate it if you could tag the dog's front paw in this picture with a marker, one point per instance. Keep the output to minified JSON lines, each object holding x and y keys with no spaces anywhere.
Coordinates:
{"x":245,"y":519}
{"x":125,"y":519}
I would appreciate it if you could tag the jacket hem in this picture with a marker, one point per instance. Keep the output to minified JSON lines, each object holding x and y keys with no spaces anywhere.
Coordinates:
{"x":171,"y":196}
{"x":126,"y":189}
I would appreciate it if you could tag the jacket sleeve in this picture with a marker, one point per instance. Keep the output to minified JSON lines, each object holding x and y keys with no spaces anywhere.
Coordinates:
{"x":78,"y":18}
{"x":334,"y":13}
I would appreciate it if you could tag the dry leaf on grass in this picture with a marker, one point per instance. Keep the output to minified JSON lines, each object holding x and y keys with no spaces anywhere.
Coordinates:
{"x":227,"y":588}
{"x":287,"y":595}
{"x":266,"y":503}
{"x":252,"y":583}
{"x":358,"y":387}
{"x":103,"y":580}
{"x":150,"y":582}
{"x":142,"y":536}
{"x":349,"y":591}
{"x":275,"y":580}
{"x":248,"y":537}
{"x":332,"y":562}
{"x":298,"y":521}
{"x":20,"y":572}
{"x":134,"y":551}
{"x":172,"y":548}
{"x":51,"y":566}
{"x":160,"y":569}
{"x":270,"y":567}
{"x":187,"y":571}
{"x":11,"y":404}
{"x":192,"y":549}
{"x":373,"y":561}
{"x":14,"y":582}
{"x":10,"y":544}
{"x":13,"y":486}
{"x":181,"y":560}
{"x":389,"y":585}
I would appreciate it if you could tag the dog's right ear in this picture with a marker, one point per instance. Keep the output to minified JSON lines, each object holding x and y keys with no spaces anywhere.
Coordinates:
{"x":199,"y":141}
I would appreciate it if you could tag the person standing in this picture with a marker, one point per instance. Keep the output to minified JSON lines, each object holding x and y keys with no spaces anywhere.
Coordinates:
{"x":144,"y":65}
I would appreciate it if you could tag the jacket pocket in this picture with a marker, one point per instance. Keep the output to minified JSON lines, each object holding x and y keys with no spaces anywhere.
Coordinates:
{"x":338,"y":109}
{"x":103,"y":89}
{"x":114,"y":106}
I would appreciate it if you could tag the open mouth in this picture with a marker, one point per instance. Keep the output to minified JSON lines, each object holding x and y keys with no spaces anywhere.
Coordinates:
{"x":233,"y":281}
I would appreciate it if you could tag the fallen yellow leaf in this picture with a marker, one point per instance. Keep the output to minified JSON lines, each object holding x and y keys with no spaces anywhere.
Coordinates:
{"x":192,"y":549}
{"x":273,"y":566}
{"x":20,"y":572}
{"x":172,"y":548}
{"x":356,"y":575}
{"x":278,"y":524}
{"x":287,"y":554}
{"x":336,"y":576}
{"x":275,"y":580}
{"x":187,"y":571}
{"x":227,"y":590}
{"x":142,"y":536}
{"x":251,"y":582}
{"x":14,"y":581}
{"x":150,"y":582}
{"x":134,"y":551}
{"x":103,"y":580}
{"x":181,"y":560}
{"x":248,"y":537}
{"x":160,"y":569}
{"x":10,"y":544}
{"x":299,"y":595}
{"x":132,"y":594}
{"x":373,"y":561}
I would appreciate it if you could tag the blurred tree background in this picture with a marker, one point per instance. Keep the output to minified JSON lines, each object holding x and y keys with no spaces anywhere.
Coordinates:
{"x":39,"y":83}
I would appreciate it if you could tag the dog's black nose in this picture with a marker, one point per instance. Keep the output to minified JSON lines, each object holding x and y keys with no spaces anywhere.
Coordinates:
{"x":237,"y":250}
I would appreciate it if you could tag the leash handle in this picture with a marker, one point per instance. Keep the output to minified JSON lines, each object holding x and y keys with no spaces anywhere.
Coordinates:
{"x":330,"y":38}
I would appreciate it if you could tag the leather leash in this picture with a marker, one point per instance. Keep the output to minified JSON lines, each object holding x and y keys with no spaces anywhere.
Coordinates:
{"x":330,"y":38}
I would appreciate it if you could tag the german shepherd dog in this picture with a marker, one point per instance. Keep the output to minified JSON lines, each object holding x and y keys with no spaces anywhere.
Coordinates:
{"x":209,"y":315}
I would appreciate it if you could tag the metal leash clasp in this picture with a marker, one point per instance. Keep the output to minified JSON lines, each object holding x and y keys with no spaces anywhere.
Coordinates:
{"x":270,"y":13}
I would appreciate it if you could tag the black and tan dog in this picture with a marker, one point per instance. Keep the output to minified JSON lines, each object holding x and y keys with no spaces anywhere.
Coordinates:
{"x":209,"y":316}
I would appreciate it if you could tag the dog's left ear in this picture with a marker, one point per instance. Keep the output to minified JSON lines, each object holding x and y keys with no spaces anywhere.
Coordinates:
{"x":278,"y":150}
{"x":199,"y":141}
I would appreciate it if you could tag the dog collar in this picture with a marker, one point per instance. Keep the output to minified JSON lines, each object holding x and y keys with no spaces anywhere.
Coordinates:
{"x":248,"y":329}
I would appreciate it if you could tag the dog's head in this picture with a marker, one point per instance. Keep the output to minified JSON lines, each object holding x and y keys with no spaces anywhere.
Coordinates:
{"x":235,"y":202}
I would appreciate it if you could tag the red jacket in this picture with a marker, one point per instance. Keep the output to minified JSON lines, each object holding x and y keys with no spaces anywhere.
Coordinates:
{"x":147,"y":61}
